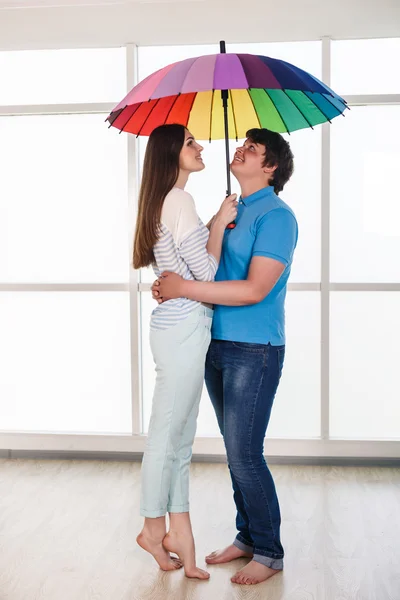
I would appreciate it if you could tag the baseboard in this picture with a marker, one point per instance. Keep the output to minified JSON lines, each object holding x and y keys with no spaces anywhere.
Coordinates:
{"x":205,"y":458}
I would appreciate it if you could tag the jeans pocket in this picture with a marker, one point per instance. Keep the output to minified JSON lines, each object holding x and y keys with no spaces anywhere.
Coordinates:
{"x":281,"y":357}
{"x":208,"y":322}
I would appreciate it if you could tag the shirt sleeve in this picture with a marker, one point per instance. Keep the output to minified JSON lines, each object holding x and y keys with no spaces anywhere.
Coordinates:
{"x":190,"y":235}
{"x":276,"y":236}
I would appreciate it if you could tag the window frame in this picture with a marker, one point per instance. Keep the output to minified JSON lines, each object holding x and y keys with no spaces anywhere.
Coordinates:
{"x":324,"y":446}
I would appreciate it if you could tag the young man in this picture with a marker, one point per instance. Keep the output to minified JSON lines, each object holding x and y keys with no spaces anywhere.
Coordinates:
{"x":245,"y":358}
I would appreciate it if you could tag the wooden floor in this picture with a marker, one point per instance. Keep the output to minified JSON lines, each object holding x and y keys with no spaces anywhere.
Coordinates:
{"x":67,"y":532}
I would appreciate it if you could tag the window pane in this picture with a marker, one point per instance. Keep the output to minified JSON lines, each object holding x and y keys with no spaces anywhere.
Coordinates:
{"x":365,"y":384}
{"x":366,"y":66}
{"x":206,"y":422}
{"x":63,"y":200}
{"x":65,"y":362}
{"x":305,"y":55}
{"x":299,"y":390}
{"x":62,"y":76}
{"x":302,"y":193}
{"x":365,"y":211}
{"x":152,"y":58}
{"x":296,"y":412}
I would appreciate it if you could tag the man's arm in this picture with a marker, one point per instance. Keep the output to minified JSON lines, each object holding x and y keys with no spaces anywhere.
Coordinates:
{"x":263,"y":274}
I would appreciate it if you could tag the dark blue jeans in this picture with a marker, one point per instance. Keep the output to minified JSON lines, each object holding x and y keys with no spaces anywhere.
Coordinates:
{"x":242,"y":380}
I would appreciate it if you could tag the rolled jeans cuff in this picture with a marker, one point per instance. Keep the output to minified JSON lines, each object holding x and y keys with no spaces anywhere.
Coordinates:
{"x":243,"y":546}
{"x":267,"y":561}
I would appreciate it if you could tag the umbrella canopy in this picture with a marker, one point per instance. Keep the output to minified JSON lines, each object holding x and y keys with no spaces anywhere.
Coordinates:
{"x":262,"y":92}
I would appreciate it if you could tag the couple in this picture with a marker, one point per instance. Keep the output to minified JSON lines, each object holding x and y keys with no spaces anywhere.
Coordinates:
{"x":241,"y":313}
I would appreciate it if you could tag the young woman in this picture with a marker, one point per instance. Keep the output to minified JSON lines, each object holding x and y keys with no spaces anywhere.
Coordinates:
{"x":170,"y":236}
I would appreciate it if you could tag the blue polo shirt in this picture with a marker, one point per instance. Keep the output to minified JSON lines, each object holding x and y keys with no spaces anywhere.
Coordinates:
{"x":265,"y":226}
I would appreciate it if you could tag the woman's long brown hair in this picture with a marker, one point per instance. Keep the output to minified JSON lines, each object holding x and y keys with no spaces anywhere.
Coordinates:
{"x":160,"y":173}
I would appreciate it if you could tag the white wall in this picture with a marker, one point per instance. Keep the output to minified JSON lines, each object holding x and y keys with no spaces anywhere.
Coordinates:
{"x":205,"y":21}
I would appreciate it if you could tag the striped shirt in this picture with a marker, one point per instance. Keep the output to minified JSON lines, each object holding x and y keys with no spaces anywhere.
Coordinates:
{"x":181,"y":248}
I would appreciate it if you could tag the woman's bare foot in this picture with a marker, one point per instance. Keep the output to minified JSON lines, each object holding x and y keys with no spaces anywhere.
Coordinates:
{"x":226,"y":555}
{"x":252,"y":573}
{"x":154,"y":546}
{"x":182,"y":544}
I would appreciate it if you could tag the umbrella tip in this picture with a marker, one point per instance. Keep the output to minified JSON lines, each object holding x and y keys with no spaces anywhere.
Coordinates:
{"x":222,"y":47}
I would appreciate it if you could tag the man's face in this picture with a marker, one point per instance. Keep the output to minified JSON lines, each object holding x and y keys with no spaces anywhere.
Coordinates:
{"x":248,"y":160}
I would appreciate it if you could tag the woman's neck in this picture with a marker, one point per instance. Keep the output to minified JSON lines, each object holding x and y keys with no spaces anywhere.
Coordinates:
{"x":182,"y":179}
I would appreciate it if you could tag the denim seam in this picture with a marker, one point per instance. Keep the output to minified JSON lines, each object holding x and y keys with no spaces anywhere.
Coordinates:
{"x":248,"y":448}
{"x":249,"y":441}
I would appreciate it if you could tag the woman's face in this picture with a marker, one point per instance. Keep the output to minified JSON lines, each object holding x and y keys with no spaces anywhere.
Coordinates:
{"x":190,"y":157}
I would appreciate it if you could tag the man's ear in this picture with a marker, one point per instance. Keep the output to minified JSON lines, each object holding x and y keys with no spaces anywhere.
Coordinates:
{"x":270,"y":170}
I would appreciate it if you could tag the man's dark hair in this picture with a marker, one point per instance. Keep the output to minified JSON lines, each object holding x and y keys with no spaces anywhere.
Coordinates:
{"x":277,"y":152}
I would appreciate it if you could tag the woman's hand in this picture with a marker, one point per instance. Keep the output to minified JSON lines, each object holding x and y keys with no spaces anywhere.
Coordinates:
{"x":228,"y":211}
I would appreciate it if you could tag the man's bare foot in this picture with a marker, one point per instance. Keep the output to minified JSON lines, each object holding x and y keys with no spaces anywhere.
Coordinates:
{"x":182,"y":544}
{"x":253,"y":573}
{"x":226,"y":555}
{"x":156,"y":549}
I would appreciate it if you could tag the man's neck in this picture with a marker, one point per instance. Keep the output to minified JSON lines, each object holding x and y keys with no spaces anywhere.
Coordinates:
{"x":251,"y":187}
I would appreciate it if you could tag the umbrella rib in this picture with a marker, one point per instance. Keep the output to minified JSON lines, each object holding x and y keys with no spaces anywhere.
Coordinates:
{"x":319,"y":108}
{"x":147,"y":118}
{"x":191,"y":106}
{"x":233,"y":113}
{"x":172,"y":106}
{"x":211,"y":113}
{"x":278,"y":111}
{"x":129,"y":118}
{"x":300,"y":111}
{"x":256,"y":113}
{"x":345,"y":105}
{"x":114,"y":115}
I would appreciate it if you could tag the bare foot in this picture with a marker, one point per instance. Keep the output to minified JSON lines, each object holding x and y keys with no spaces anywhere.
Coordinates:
{"x":156,"y":549}
{"x":226,"y":555}
{"x":253,"y":573}
{"x":182,"y":544}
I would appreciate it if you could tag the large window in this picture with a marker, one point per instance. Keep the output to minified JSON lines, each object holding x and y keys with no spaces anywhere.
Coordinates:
{"x":301,"y":379}
{"x":64,"y":271}
{"x":361,"y":206}
{"x":63,"y":192}
{"x":365,"y":207}
{"x":62,"y":76}
{"x":74,"y":315}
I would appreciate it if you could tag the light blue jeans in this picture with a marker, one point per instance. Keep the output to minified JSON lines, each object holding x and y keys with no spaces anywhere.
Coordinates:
{"x":179,"y":353}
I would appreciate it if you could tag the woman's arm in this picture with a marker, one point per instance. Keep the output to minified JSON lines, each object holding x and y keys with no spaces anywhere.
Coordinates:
{"x":202,"y":259}
{"x":226,"y":214}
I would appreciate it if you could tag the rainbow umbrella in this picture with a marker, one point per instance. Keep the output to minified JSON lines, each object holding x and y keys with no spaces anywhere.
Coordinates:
{"x":256,"y":91}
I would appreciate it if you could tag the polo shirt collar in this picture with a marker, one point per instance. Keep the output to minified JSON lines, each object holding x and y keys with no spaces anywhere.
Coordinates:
{"x":263,"y":193}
